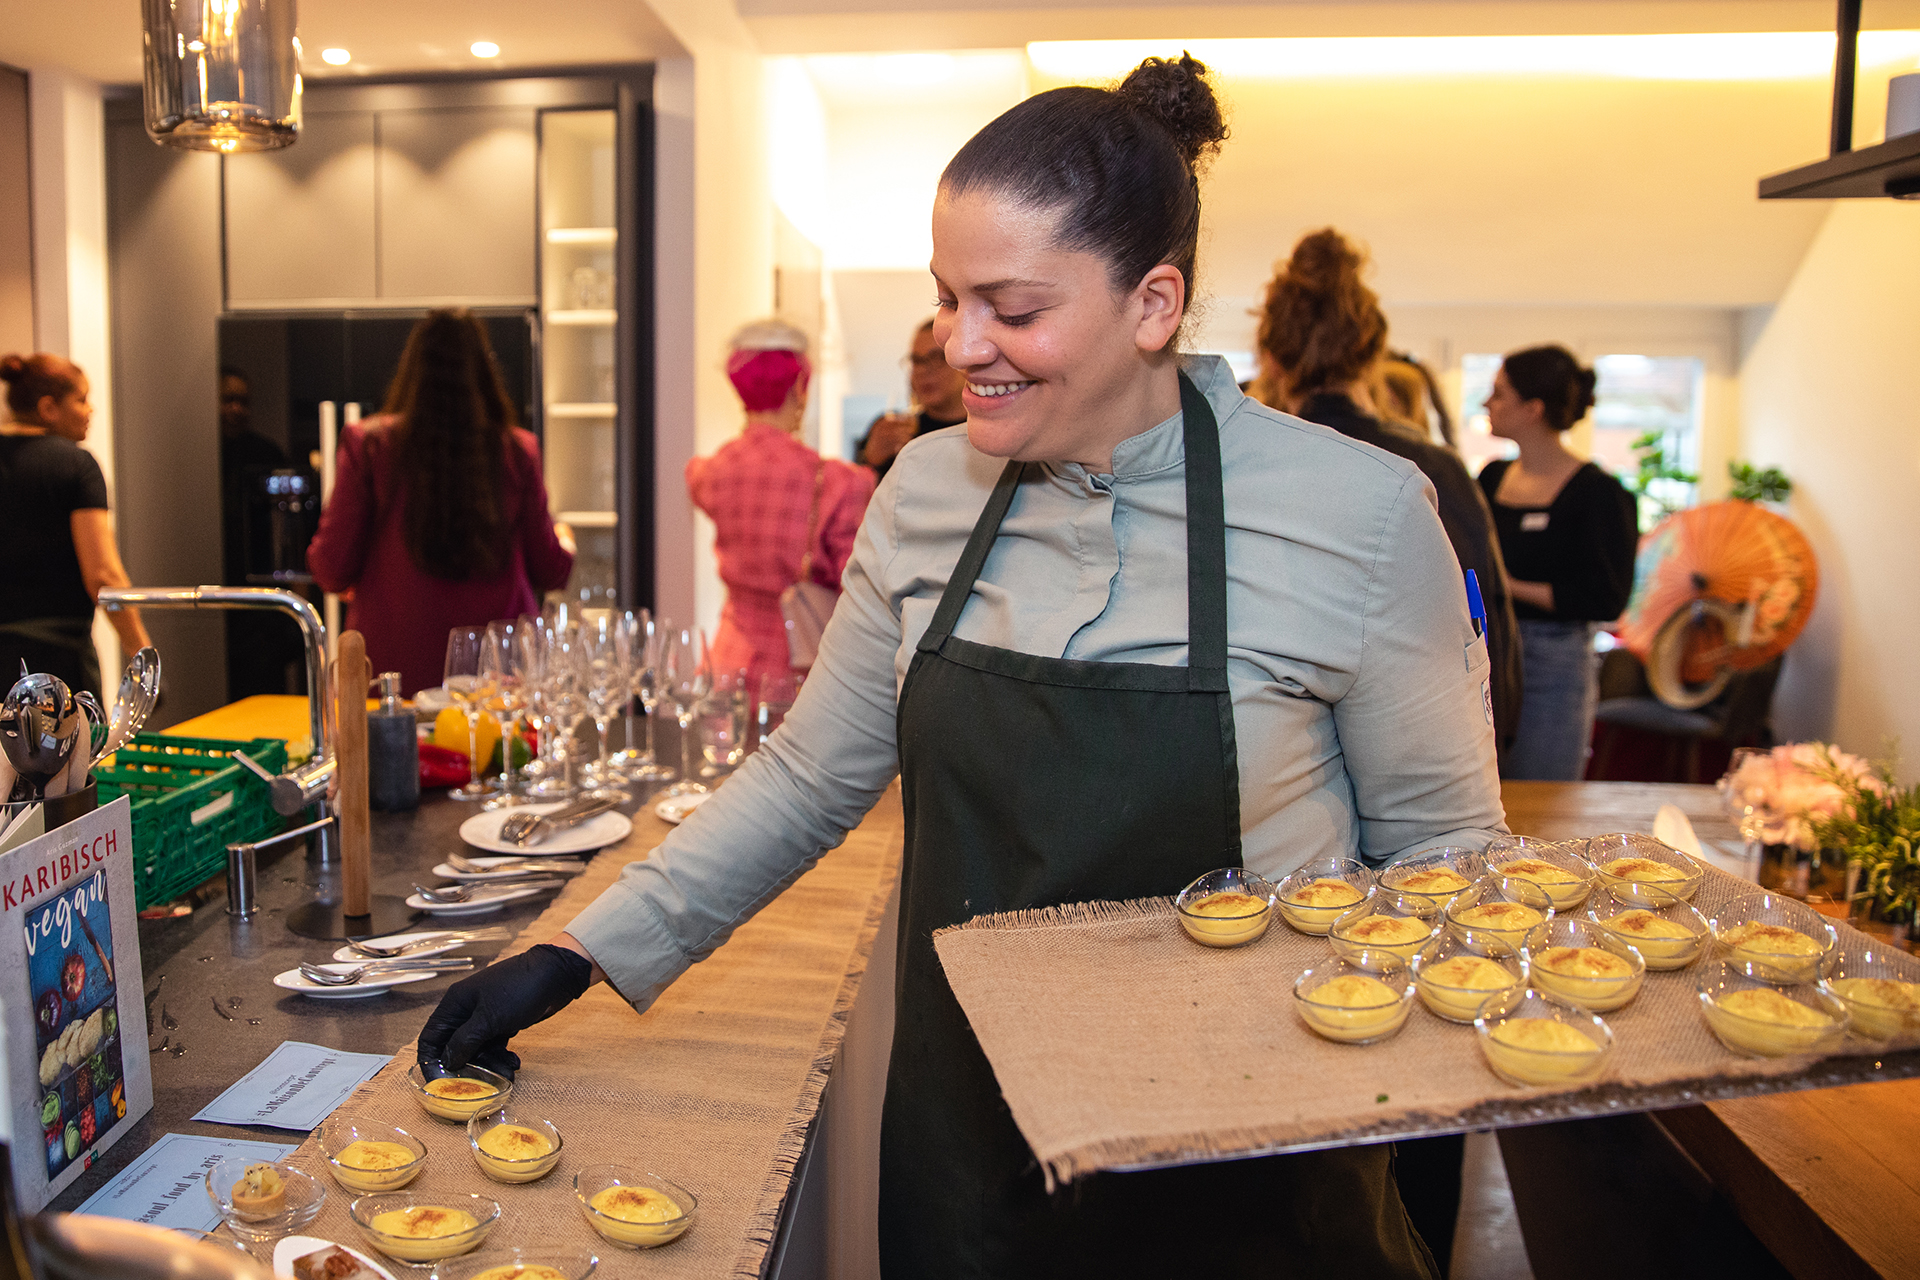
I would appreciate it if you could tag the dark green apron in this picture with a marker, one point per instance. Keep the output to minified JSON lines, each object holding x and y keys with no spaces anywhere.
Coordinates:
{"x":1031,"y":782}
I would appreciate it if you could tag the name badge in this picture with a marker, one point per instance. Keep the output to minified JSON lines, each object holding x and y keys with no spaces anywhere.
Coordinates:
{"x":1534,"y":522}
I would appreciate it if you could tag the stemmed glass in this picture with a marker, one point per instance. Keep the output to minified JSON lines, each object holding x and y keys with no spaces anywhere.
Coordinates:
{"x":468,"y":684}
{"x":503,"y":657}
{"x":685,"y":679}
{"x":723,"y":723}
{"x":639,"y":638}
{"x":563,"y":688}
{"x":604,"y":680}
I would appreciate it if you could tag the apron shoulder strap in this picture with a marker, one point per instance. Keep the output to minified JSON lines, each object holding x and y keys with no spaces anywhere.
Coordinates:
{"x":1206,"y":544}
{"x":967,"y":569}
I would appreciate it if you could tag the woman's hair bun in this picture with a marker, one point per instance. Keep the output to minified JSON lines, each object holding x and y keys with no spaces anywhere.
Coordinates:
{"x":11,"y":367}
{"x":1583,"y":385}
{"x":1324,"y":262}
{"x":1176,"y":93}
{"x":1553,"y":376}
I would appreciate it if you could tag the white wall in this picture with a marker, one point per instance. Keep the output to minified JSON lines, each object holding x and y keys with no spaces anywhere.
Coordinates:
{"x":1826,"y":390}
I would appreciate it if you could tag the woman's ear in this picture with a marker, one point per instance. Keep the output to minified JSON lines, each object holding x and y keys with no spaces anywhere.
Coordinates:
{"x":1160,"y":301}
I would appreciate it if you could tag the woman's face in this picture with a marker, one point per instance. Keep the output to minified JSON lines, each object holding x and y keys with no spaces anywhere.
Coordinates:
{"x":1057,"y":363}
{"x":1508,"y":414}
{"x":68,"y":415}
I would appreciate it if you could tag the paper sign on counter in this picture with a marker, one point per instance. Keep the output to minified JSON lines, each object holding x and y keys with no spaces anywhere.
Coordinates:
{"x":297,"y":1087}
{"x":166,"y":1186}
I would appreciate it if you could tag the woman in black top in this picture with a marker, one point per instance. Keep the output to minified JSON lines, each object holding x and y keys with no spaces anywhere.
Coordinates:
{"x":58,"y":551}
{"x":1569,"y":532}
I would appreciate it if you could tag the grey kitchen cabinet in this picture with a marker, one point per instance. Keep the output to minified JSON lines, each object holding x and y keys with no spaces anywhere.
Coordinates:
{"x":457,"y":206}
{"x":301,"y":222}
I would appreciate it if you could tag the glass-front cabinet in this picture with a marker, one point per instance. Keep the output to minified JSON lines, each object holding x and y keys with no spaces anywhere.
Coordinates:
{"x":579,"y":307}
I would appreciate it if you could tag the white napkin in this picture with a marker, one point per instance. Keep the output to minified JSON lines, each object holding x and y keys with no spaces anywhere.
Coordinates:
{"x":1671,"y":827}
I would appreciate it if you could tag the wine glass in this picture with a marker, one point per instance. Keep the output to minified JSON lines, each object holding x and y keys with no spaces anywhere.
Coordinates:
{"x":641,"y":638}
{"x":469,"y":685}
{"x":685,"y":679}
{"x":503,"y":657}
{"x":723,"y":723}
{"x":563,"y":685}
{"x":604,"y":681}
{"x":777,"y":694}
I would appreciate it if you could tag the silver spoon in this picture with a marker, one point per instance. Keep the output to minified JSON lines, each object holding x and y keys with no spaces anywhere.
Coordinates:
{"x":492,"y":933}
{"x":139,"y":690}
{"x":379,"y":969}
{"x":549,"y":864}
{"x":464,"y":892}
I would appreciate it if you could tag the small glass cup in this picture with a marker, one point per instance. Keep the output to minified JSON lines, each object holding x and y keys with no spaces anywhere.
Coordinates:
{"x":1760,"y":1018}
{"x":1668,"y":933}
{"x":465,"y":1107}
{"x":507,"y":1164}
{"x":1558,"y":867}
{"x":368,"y":1210}
{"x":1530,"y":1038}
{"x":339,"y":1133}
{"x":1881,"y":990}
{"x":254,"y":1222}
{"x":1355,"y":1003}
{"x":1439,"y":875}
{"x":574,"y":1264}
{"x":1454,"y":982}
{"x":1638,"y":859}
{"x":1311,"y":898}
{"x":1226,"y":908}
{"x":1773,"y":937}
{"x":1384,"y":926}
{"x":1494,"y":916}
{"x":1583,"y":964}
{"x":663,"y":1214}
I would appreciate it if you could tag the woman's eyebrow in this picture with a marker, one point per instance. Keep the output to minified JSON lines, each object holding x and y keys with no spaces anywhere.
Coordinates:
{"x":997,"y":286}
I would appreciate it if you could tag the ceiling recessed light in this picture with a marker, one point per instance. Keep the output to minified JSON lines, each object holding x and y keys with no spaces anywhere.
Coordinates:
{"x":335,"y":57}
{"x":484,"y":49}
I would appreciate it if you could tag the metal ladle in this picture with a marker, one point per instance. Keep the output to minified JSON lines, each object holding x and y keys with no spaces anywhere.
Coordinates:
{"x":139,"y":691}
{"x":40,"y":722}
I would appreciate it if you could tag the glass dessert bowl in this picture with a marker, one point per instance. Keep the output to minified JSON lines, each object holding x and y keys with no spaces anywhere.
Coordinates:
{"x":1775,"y":938}
{"x":1226,"y":908}
{"x":1315,"y":894}
{"x":1579,"y":962}
{"x":418,"y":1227}
{"x":1455,"y":982}
{"x":1668,"y":933}
{"x":1631,"y":858}
{"x":459,"y":1095}
{"x":1439,"y":875}
{"x":514,"y":1262}
{"x":1355,"y":1002}
{"x":510,"y":1145}
{"x":263,"y":1200}
{"x":1385,"y":927}
{"x":1557,"y":867}
{"x":1759,"y":1018}
{"x":632,"y":1208}
{"x":366,"y":1156}
{"x":1494,"y":915}
{"x":1530,"y":1038}
{"x":1881,"y":991}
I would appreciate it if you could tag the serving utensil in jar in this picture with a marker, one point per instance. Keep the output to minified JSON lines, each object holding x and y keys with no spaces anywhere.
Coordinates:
{"x":379,"y":951}
{"x":381,"y":968}
{"x":40,"y":723}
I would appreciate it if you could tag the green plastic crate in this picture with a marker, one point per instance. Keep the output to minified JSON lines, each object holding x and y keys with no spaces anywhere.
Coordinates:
{"x":190,"y":801}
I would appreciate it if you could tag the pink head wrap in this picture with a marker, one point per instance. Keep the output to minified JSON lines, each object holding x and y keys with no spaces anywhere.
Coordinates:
{"x":763,"y":378}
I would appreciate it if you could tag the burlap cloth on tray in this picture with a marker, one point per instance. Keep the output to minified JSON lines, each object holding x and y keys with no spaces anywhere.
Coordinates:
{"x":714,"y":1087}
{"x":1118,"y":1041}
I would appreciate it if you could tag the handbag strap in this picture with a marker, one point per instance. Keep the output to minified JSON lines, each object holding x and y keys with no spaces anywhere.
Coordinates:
{"x":813,"y":521}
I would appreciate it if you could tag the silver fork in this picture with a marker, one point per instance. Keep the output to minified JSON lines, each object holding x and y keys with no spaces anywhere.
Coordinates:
{"x":518,"y":827}
{"x":556,"y":865}
{"x":465,"y":892}
{"x":491,"y":933}
{"x":329,"y":978}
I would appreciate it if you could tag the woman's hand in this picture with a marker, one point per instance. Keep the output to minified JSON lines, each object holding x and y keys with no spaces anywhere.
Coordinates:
{"x":481,"y":1013}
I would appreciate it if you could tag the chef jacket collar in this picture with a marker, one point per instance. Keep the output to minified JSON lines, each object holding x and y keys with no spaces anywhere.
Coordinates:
{"x":1161,"y":447}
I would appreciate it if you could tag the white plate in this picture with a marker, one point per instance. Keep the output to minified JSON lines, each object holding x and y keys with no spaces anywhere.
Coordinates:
{"x":675,"y":809}
{"x":392,"y":939}
{"x":292,"y":1247}
{"x":482,"y":831}
{"x":435,"y":700}
{"x":482,"y":902}
{"x":446,"y":869}
{"x":294,"y":980}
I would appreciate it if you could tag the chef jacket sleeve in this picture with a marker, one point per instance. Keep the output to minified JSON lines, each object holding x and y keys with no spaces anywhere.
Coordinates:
{"x":793,"y":799}
{"x":1416,"y":726}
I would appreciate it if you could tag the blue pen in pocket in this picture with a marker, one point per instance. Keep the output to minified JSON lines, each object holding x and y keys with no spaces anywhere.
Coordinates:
{"x":1476,"y":606}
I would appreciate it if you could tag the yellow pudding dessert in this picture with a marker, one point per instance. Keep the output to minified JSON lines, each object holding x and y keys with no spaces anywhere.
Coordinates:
{"x":637,"y":1216}
{"x":1645,"y":870}
{"x":1882,"y":1008}
{"x":1312,"y":908}
{"x":1662,"y":943}
{"x":455,"y":1098}
{"x":1354,"y":1007}
{"x":1541,"y":1051}
{"x":260,"y":1193}
{"x":1438,"y":883}
{"x":424,"y":1233}
{"x":515,"y":1153}
{"x":1563,"y":888}
{"x":521,"y":1271}
{"x":1458,"y":986}
{"x":376,"y":1166}
{"x":1588,"y":976}
{"x":1402,"y":936}
{"x":1768,"y":1024}
{"x":1225,"y":919}
{"x":1501,"y":923}
{"x":1775,"y":951}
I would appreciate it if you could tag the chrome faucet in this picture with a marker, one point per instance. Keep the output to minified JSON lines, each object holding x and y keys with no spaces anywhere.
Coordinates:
{"x":307,"y":785}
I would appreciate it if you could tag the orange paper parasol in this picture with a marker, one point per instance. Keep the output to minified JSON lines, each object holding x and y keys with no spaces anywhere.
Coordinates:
{"x":1739,"y":554}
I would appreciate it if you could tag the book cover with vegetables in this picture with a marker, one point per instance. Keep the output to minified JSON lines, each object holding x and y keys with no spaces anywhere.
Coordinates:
{"x":77,"y":980}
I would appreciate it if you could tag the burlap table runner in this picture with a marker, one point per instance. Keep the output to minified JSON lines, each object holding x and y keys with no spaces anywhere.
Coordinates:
{"x":1117,"y":1041}
{"x":714,"y":1087}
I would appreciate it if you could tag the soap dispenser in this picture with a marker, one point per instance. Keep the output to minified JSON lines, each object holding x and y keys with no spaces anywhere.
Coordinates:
{"x":393,"y":751}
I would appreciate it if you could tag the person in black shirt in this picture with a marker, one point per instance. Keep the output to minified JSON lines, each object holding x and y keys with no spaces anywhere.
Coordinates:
{"x":58,"y":551}
{"x":1569,"y":532}
{"x":936,"y":393}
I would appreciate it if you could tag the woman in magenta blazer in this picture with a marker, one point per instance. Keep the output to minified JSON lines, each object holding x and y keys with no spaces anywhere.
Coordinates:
{"x":438,"y":517}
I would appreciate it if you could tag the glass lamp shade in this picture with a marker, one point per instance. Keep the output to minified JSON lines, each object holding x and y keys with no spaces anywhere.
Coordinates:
{"x":222,"y":75}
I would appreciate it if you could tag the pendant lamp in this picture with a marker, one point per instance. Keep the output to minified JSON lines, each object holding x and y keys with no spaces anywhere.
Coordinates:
{"x":222,"y":75}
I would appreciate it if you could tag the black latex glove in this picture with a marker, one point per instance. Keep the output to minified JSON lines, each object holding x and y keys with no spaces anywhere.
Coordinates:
{"x":480,"y":1013}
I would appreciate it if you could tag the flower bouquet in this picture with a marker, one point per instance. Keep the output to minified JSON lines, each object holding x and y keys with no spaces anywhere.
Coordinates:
{"x":1779,"y":798}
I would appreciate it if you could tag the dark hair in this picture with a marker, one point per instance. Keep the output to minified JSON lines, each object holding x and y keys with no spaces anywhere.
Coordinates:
{"x":1120,"y":164}
{"x":1552,"y":376}
{"x":1435,"y":402}
{"x":31,"y":378}
{"x":1321,"y":325}
{"x":450,"y":446}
